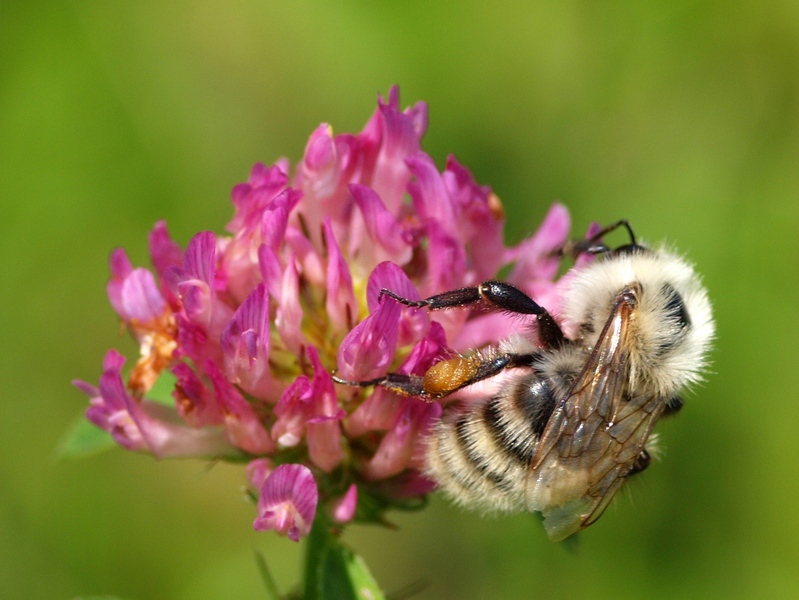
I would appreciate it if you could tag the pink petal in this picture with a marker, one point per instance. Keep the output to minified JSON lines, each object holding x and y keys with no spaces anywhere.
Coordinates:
{"x":252,"y":197}
{"x":388,"y":239}
{"x":242,"y":425}
{"x":413,"y":321}
{"x":320,"y":152}
{"x":245,"y":343}
{"x":344,"y":509}
{"x":313,"y":267}
{"x":271,"y":270}
{"x":323,"y":431}
{"x":480,"y":219}
{"x":430,"y":196}
{"x":194,"y":282}
{"x":200,"y":259}
{"x":388,"y":275}
{"x":325,"y":171}
{"x":340,"y":303}
{"x":398,"y":448}
{"x":378,"y":412}
{"x":288,"y":319}
{"x":489,"y":328}
{"x":140,"y":297}
{"x":389,"y":138}
{"x":292,"y":411}
{"x":431,"y":349}
{"x":258,"y":470}
{"x":164,"y":252}
{"x":274,"y":220}
{"x":446,"y":270}
{"x":369,"y":348}
{"x":120,"y":267}
{"x":381,"y":409}
{"x":535,"y":257}
{"x":287,"y":502}
{"x":146,"y":427}
{"x":324,"y":443}
{"x":195,"y":402}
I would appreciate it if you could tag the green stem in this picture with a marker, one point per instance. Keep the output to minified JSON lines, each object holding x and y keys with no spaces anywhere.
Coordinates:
{"x":333,"y":571}
{"x":315,"y":549}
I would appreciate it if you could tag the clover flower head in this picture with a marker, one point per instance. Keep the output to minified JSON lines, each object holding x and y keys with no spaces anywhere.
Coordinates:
{"x":252,"y":323}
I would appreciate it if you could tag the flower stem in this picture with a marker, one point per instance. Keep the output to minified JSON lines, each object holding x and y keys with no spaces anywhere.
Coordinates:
{"x":315,"y":550}
{"x":333,"y":571}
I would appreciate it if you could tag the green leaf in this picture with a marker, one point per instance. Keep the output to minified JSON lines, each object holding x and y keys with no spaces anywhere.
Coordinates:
{"x":345,"y":575}
{"x":272,"y":592}
{"x":97,"y":598}
{"x":83,"y":439}
{"x":333,"y":571}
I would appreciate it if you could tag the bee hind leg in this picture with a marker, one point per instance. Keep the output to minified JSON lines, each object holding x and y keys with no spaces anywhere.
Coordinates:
{"x":399,"y":383}
{"x":447,"y":376}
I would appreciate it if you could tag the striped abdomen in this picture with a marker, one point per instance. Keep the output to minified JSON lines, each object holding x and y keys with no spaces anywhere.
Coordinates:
{"x":480,"y":457}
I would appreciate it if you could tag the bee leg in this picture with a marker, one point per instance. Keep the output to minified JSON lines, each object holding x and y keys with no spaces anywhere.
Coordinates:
{"x":673,"y":406}
{"x":447,"y":376}
{"x":642,"y":462}
{"x":499,"y":294}
{"x":400,"y":383}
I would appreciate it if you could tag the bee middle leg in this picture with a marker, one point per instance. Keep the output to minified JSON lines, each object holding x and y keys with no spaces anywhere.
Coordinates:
{"x":448,"y":376}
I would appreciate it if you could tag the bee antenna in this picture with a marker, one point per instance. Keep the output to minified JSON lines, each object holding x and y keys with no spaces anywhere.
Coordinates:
{"x":594,"y":245}
{"x":626,"y":224}
{"x":611,"y":228}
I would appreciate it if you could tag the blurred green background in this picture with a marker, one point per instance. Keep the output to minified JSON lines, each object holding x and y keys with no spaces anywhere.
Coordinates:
{"x":681,"y":117}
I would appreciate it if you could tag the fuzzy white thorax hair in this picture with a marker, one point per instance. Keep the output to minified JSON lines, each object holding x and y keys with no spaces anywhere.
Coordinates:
{"x":664,"y":356}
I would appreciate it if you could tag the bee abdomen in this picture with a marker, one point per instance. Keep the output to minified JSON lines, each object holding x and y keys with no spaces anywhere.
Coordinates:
{"x":463,"y":458}
{"x":519,"y":415}
{"x":480,"y":457}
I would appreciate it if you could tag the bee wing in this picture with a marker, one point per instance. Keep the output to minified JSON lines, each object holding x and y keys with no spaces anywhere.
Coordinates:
{"x":593,"y":437}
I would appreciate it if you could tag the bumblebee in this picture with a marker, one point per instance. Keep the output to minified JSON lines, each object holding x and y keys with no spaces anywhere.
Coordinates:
{"x":571,"y":418}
